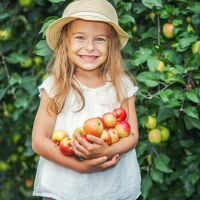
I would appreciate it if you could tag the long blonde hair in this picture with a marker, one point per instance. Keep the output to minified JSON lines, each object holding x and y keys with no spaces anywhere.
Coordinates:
{"x":63,"y":70}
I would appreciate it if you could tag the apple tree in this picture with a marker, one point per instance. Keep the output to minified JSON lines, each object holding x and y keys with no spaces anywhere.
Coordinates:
{"x":163,"y":54}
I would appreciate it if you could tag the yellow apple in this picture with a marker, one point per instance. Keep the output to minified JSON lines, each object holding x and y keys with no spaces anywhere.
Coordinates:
{"x":154,"y":136}
{"x":161,"y":66}
{"x":38,"y":61}
{"x":196,"y":47}
{"x":168,"y":30}
{"x":5,"y":34}
{"x":26,"y":3}
{"x":188,"y":19}
{"x":152,"y":15}
{"x":58,"y":135}
{"x":165,"y":133}
{"x":27,"y":63}
{"x":151,"y":122}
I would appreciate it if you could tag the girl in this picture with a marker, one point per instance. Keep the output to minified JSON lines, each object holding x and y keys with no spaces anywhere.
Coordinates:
{"x":86,"y":79}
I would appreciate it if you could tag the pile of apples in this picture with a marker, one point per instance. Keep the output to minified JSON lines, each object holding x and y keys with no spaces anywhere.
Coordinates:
{"x":110,"y":127}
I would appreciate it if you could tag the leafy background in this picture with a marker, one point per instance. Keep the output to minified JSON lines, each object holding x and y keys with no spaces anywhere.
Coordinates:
{"x":170,"y":170}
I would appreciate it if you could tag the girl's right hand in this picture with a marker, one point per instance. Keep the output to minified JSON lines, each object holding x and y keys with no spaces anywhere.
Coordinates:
{"x":99,"y":164}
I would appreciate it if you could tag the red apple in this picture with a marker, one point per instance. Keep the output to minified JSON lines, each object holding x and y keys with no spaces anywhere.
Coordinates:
{"x":100,"y":118}
{"x":120,"y":114}
{"x":114,"y":135}
{"x":85,"y":138}
{"x":105,"y":136}
{"x":123,"y":128}
{"x":109,"y":120}
{"x":93,"y":126}
{"x":65,"y":146}
{"x":58,"y":135}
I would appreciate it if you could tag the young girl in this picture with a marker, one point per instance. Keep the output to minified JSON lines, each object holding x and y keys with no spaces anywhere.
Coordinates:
{"x":86,"y":80}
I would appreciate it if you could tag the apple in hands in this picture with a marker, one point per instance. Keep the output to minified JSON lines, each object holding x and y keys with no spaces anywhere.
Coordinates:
{"x":93,"y":126}
{"x":58,"y":135}
{"x":109,"y":120}
{"x":123,"y":128}
{"x":79,"y":130}
{"x":120,"y":114}
{"x":85,"y":138}
{"x":66,"y":147}
{"x":106,"y":137}
{"x":114,"y":135}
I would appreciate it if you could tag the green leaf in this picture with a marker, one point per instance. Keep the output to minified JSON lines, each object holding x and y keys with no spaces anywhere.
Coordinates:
{"x":4,"y":15}
{"x":141,"y":56}
{"x":15,"y":78}
{"x":194,"y":177}
{"x":151,"y":3}
{"x":42,"y":48}
{"x":177,"y":22}
{"x":150,"y":79}
{"x":156,"y":175}
{"x":15,"y":58}
{"x":152,"y":63}
{"x":185,"y":42}
{"x":150,"y":33}
{"x":126,"y":19}
{"x":195,"y":7}
{"x":141,"y":148}
{"x":21,"y":102}
{"x":166,"y":95}
{"x":172,"y":56}
{"x":47,"y":21}
{"x":160,"y":164}
{"x":191,"y":122}
{"x":191,"y":111}
{"x":116,"y":1}
{"x":29,"y":84}
{"x":187,"y":143}
{"x":193,"y":96}
{"x":164,"y":113}
{"x":146,"y":186}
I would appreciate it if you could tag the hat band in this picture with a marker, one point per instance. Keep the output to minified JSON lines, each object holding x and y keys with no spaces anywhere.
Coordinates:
{"x":92,"y":14}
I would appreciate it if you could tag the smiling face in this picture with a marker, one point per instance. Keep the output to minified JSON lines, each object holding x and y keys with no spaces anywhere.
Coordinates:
{"x":87,"y":44}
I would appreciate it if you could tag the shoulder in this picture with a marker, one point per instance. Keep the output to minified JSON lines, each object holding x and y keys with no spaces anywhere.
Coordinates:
{"x":48,"y":86}
{"x":129,"y":87}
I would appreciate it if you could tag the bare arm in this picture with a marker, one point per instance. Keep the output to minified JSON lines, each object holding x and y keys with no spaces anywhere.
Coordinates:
{"x":100,"y":148}
{"x":41,"y":143}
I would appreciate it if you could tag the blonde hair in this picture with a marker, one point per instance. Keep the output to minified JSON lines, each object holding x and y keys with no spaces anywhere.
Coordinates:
{"x":63,"y":70}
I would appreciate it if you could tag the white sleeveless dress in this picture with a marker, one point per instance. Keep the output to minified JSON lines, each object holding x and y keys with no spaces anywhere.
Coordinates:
{"x":122,"y":182}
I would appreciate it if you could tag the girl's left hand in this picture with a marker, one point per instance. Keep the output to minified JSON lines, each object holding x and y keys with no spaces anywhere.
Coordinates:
{"x":93,"y":148}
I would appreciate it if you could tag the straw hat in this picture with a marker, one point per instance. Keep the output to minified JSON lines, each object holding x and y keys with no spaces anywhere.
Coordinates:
{"x":94,"y":10}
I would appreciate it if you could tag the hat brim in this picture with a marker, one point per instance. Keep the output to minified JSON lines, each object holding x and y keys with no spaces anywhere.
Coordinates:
{"x":54,"y":29}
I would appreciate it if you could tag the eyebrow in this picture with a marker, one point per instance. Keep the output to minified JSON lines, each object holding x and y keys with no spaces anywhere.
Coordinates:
{"x":101,"y":34}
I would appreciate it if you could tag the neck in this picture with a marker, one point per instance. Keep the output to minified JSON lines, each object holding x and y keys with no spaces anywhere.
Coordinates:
{"x":90,"y":78}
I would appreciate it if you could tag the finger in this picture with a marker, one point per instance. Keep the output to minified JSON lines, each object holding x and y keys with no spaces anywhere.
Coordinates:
{"x":98,"y":161}
{"x":82,"y":141}
{"x":77,"y":152}
{"x":111,"y":163}
{"x":95,"y":139}
{"x":76,"y":135}
{"x":80,"y":148}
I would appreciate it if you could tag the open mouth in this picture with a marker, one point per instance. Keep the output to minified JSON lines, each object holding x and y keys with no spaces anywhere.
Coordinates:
{"x":88,"y":58}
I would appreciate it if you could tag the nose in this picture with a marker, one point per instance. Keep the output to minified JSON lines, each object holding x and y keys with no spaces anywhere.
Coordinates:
{"x":90,"y":46}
